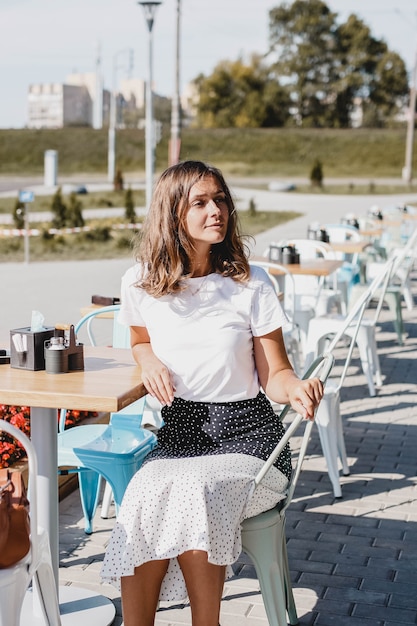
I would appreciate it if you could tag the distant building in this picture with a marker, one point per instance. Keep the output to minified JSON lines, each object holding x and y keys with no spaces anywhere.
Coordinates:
{"x":189,"y":103}
{"x":56,"y":105}
{"x":82,"y":101}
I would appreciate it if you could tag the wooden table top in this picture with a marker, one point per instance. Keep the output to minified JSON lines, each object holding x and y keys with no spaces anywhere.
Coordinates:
{"x":307,"y":267}
{"x":349,"y":247}
{"x":96,"y":307}
{"x":110,"y":381}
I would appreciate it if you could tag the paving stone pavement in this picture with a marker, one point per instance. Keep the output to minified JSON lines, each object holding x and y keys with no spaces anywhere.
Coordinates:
{"x":352,"y":560}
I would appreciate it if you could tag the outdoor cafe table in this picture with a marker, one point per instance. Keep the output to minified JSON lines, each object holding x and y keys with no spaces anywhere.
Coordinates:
{"x":349,"y":246}
{"x":306,"y":267}
{"x":110,"y":381}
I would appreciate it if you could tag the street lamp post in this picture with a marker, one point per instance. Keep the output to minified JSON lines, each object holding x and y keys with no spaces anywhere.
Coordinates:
{"x":175,"y":143}
{"x":111,"y":157}
{"x":408,"y":167}
{"x":111,"y":152}
{"x":149,"y":11}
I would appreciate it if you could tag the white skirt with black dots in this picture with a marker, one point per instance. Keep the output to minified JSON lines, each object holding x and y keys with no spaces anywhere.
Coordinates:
{"x":186,"y":502}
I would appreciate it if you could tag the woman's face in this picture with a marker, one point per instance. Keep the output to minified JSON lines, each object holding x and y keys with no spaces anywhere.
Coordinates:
{"x":208,"y":213}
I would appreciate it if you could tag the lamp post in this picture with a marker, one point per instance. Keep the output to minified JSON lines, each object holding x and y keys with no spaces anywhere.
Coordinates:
{"x":111,"y":151}
{"x":175,"y":143}
{"x":149,"y":9}
{"x":111,"y":156}
{"x":408,"y":167}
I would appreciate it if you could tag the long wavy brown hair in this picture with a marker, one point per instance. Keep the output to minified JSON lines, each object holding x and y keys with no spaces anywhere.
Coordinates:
{"x":165,"y":248}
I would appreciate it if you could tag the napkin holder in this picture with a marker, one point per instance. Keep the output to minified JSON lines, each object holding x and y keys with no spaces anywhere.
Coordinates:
{"x":32,"y":356}
{"x":287,"y":255}
{"x":70,"y":358}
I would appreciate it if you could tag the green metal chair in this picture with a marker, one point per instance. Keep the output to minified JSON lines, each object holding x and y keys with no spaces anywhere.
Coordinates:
{"x":263,"y":536}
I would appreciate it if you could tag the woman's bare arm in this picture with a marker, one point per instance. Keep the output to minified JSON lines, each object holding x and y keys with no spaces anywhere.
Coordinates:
{"x":155,"y":375}
{"x":278,"y":378}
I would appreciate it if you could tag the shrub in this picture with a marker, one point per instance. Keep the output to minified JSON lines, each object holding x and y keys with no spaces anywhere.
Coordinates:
{"x":19,"y":215}
{"x":316,"y":174}
{"x":130,"y":214}
{"x":59,"y":210}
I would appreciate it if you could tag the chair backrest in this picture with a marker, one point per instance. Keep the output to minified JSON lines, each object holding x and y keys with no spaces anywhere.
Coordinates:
{"x":120,"y":334}
{"x":342,"y":232}
{"x":32,"y":491}
{"x":321,"y":367}
{"x":380,"y":282}
{"x":312,"y":248}
{"x":285,"y":286}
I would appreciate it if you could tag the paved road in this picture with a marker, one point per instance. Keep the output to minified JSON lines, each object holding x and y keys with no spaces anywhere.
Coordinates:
{"x":59,"y":290}
{"x":352,"y":560}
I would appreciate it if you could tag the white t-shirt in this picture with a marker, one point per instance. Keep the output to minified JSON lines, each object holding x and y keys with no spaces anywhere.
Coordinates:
{"x":204,"y":334}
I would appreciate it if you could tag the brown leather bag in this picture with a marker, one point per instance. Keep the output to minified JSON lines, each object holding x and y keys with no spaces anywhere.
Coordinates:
{"x":14,"y":518}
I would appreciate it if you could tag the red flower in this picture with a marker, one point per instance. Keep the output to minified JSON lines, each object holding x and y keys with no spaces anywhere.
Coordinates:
{"x":19,"y":416}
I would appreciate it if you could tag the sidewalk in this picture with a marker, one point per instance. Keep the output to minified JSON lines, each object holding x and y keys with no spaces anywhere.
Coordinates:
{"x":59,"y":290}
{"x":353,"y":560}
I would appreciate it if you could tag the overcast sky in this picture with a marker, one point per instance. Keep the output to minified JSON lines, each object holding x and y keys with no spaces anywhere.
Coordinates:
{"x":42,"y":41}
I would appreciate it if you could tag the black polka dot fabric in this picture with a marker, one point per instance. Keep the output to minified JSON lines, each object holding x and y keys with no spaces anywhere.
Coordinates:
{"x":202,"y":428}
{"x":197,"y":486}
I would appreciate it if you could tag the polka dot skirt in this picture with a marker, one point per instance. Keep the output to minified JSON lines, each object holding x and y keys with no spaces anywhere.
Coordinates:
{"x":196,"y":487}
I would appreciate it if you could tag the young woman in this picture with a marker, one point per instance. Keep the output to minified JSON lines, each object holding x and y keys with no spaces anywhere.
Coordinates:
{"x":206,"y":331}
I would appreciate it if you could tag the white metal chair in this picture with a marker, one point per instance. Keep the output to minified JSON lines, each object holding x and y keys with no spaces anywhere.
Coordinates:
{"x":263,"y":536}
{"x":114,"y":451}
{"x":311,"y":291}
{"x":292,"y":333}
{"x":328,"y":416}
{"x":350,"y":271}
{"x":399,"y":286}
{"x":323,"y":327}
{"x":36,"y":565}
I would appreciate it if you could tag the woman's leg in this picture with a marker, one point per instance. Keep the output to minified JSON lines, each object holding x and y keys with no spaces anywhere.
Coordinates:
{"x":140,"y":593}
{"x":204,"y":585}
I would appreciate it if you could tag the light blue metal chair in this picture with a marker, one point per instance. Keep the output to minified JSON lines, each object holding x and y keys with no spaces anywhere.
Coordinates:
{"x":263,"y":536}
{"x":114,"y":451}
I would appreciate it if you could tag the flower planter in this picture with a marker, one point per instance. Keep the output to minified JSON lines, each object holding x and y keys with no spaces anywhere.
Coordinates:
{"x":12,"y":455}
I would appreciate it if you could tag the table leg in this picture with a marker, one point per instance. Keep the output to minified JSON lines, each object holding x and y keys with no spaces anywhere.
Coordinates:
{"x":44,"y":430}
{"x":77,"y":606}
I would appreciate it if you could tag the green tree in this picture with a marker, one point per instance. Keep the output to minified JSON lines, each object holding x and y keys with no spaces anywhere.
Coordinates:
{"x":74,"y":215}
{"x":241,"y":95}
{"x":327,"y":67}
{"x":368,"y":70}
{"x":59,"y":210}
{"x":301,"y":39}
{"x":130,"y":214}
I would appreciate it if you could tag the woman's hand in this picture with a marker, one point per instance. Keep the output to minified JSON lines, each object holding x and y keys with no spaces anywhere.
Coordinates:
{"x":157,"y":380}
{"x":305,"y":395}
{"x":155,"y":375}
{"x":278,"y":379}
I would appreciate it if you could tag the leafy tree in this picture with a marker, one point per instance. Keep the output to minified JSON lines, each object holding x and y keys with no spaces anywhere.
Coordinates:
{"x":301,"y":36}
{"x":389,"y":87}
{"x":59,"y":210}
{"x":74,"y":215}
{"x":130,"y":214}
{"x":367,"y":69}
{"x":326,"y":66}
{"x":242,"y":96}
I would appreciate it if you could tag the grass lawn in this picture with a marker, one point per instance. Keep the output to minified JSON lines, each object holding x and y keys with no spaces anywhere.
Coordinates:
{"x":105,"y":240}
